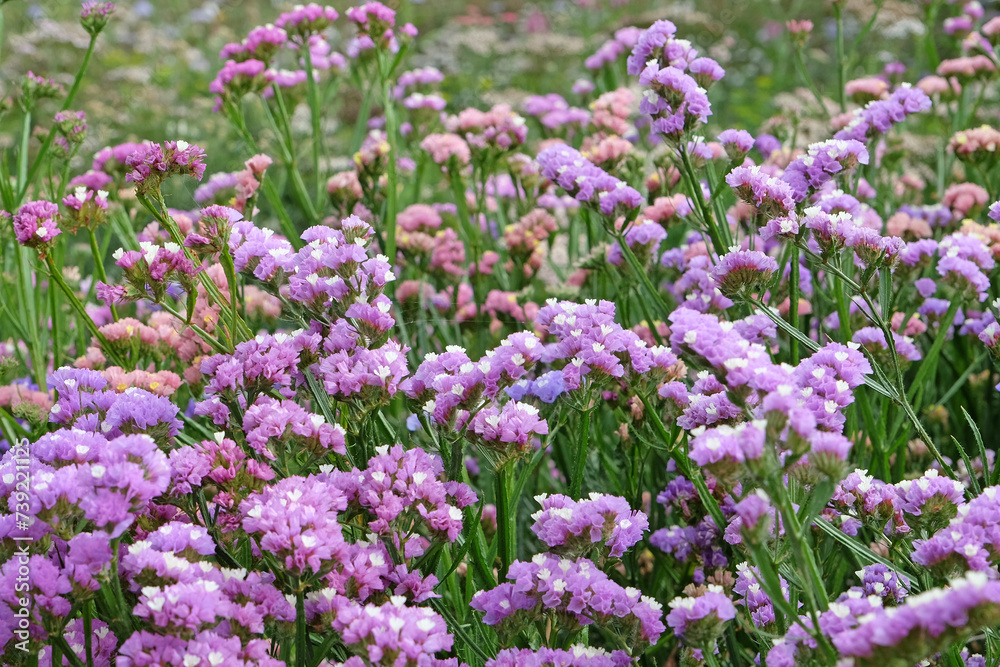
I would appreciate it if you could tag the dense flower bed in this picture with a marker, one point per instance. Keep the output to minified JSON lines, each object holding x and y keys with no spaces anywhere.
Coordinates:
{"x":588,"y":383}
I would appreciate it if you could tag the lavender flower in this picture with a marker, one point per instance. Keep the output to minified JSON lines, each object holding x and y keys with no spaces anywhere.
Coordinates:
{"x":698,"y":621}
{"x":587,"y":183}
{"x":772,"y":197}
{"x":36,"y":224}
{"x":574,"y":527}
{"x":151,"y":164}
{"x":744,"y":272}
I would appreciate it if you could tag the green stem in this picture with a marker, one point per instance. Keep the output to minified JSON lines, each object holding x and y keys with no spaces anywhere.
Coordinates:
{"x":56,"y":327}
{"x":930,"y":19}
{"x":234,"y":315}
{"x":391,"y":204}
{"x":793,"y":302}
{"x":719,"y":234}
{"x":29,"y":314}
{"x":288,"y":155}
{"x":465,"y":226}
{"x":44,"y":151}
{"x":67,"y":652}
{"x":95,"y":250}
{"x":312,"y":93}
{"x":944,"y":327}
{"x":88,"y":634}
{"x":643,"y":275}
{"x":581,"y":450}
{"x":81,"y":311}
{"x":800,"y":67}
{"x":300,"y":628}
{"x":22,"y":156}
{"x":841,"y":63}
{"x":236,"y":119}
{"x":506,"y":516}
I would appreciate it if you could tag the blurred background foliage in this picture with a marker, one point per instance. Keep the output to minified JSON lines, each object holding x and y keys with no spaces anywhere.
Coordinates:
{"x":150,"y":76}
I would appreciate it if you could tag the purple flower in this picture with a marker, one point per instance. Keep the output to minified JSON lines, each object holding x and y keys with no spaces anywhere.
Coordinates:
{"x":295,"y":520}
{"x":698,"y":621}
{"x":587,"y":183}
{"x":573,"y":594}
{"x":756,"y":601}
{"x":737,"y":143}
{"x":888,"y":634}
{"x":506,"y":433}
{"x":721,"y":449}
{"x":650,"y":45}
{"x":152,"y":163}
{"x":772,"y":197}
{"x":879,"y":116}
{"x":744,"y":272}
{"x":574,"y":527}
{"x":94,"y":16}
{"x":879,"y":580}
{"x":306,"y":20}
{"x":36,"y":224}
{"x":578,"y":655}
{"x":821,"y":164}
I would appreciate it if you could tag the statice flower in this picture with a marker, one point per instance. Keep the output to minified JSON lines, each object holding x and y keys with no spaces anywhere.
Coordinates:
{"x":587,"y":183}
{"x":652,"y":44}
{"x":573,"y":527}
{"x":573,"y":594}
{"x":112,"y":481}
{"x":673,"y":100}
{"x":752,"y":596}
{"x":873,"y":340}
{"x":306,"y":20}
{"x":94,"y":16}
{"x":445,"y":382}
{"x":879,"y":116}
{"x":698,"y":621}
{"x":578,"y":655}
{"x":963,"y":261}
{"x":723,"y":448}
{"x":272,"y":425}
{"x":744,"y":272}
{"x":393,"y":633}
{"x":295,"y":520}
{"x":184,"y":609}
{"x":869,"y":500}
{"x":821,"y":164}
{"x":152,"y":163}
{"x":442,"y":147}
{"x":923,"y":624}
{"x":737,"y":143}
{"x":771,"y":197}
{"x":879,"y":580}
{"x":929,"y":502}
{"x":401,"y":488}
{"x":506,"y":434}
{"x":149,"y":273}
{"x":496,"y":130}
{"x":971,"y":541}
{"x":36,"y":225}
{"x":86,"y":207}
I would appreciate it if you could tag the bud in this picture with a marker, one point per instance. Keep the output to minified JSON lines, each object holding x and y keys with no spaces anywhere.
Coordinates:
{"x":94,"y":16}
{"x":85,"y":208}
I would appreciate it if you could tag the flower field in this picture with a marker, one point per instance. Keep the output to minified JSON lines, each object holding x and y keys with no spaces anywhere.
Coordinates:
{"x":565,"y":334}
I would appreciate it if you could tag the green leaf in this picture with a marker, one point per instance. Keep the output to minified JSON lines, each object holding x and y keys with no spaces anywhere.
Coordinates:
{"x":968,"y":466}
{"x":979,"y":445}
{"x":821,"y":495}
{"x":862,"y":552}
